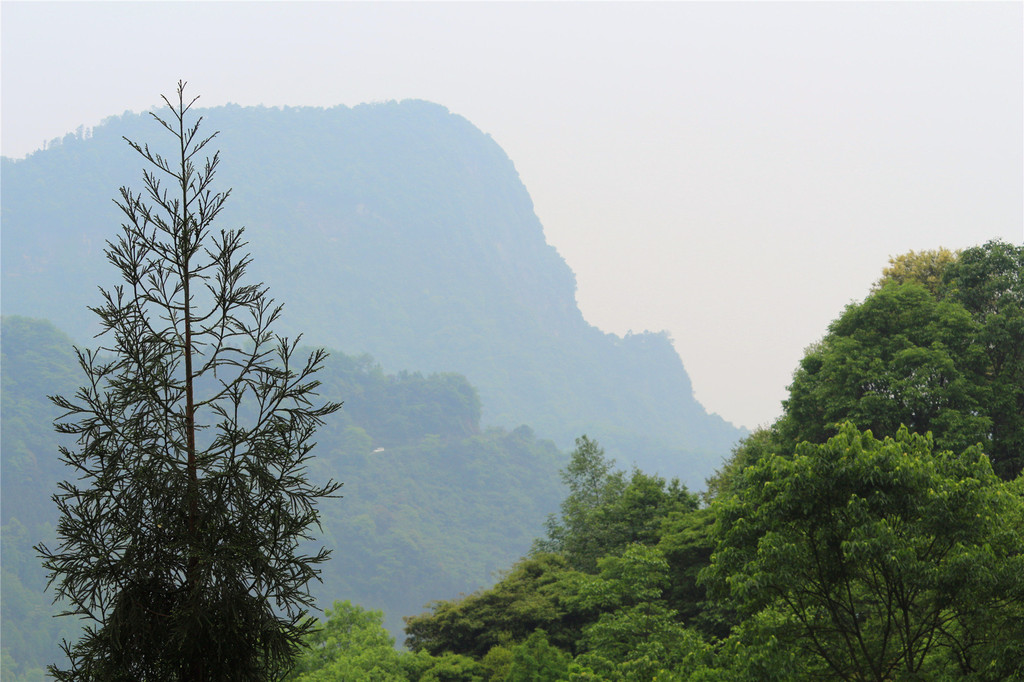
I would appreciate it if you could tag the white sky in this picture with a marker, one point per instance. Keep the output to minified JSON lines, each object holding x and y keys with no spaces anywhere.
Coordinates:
{"x":734,"y":173}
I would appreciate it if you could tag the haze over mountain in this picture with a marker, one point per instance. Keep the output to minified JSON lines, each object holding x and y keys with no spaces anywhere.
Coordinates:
{"x":397,"y":229}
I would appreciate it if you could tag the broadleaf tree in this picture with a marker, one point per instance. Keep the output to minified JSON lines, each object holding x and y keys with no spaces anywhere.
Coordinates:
{"x":937,"y":346}
{"x":185,"y":531}
{"x":877,"y":559}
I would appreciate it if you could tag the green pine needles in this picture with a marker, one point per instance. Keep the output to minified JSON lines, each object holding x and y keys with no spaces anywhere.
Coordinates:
{"x":184,"y":537}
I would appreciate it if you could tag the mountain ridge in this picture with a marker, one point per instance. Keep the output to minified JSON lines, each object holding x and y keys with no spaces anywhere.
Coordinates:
{"x":398,"y":229}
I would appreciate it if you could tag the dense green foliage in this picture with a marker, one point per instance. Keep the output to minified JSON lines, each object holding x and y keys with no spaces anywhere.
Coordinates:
{"x":351,"y":645}
{"x":605,"y":511}
{"x":855,"y":559}
{"x":598,"y":586}
{"x":869,"y":559}
{"x":926,"y":268}
{"x":943,"y":358}
{"x":396,"y":229}
{"x":989,"y":282}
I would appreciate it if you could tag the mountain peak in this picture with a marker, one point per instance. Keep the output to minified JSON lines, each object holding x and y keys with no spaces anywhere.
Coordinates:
{"x":394,"y":228}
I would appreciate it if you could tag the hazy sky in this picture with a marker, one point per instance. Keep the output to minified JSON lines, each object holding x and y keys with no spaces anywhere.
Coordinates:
{"x":734,"y":173}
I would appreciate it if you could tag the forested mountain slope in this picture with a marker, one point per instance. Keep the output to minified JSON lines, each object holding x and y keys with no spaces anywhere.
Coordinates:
{"x":432,"y":504}
{"x":397,"y":229}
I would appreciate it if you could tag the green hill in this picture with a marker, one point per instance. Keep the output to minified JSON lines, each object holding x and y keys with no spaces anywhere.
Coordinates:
{"x":433,"y":505}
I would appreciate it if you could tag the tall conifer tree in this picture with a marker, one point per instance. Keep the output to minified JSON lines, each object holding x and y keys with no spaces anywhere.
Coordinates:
{"x":184,"y":529}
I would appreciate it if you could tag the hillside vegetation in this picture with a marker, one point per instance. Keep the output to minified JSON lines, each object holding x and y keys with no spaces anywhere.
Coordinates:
{"x":433,"y":505}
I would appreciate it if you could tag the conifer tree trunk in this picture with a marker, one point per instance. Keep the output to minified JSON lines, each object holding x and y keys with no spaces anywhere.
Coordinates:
{"x":191,"y":580}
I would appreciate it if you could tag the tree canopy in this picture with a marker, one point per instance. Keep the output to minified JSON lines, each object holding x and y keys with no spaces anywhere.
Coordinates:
{"x":945,"y":357}
{"x":605,"y":511}
{"x":878,"y":559}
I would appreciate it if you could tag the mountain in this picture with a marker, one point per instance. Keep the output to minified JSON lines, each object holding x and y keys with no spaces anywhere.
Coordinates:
{"x":433,"y":504}
{"x":397,"y":229}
